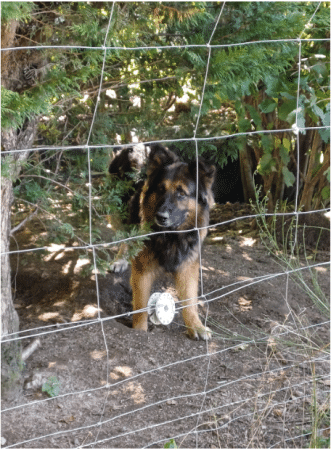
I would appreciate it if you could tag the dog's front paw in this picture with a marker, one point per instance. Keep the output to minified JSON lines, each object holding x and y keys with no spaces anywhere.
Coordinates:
{"x":200,"y":332}
{"x":119,"y":266}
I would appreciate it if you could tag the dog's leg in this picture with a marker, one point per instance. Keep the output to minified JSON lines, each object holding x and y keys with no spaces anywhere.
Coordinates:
{"x":144,"y":272}
{"x":121,"y":264}
{"x":187,"y":282}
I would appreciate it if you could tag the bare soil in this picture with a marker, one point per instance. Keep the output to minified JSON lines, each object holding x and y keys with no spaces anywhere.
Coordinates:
{"x":253,"y":385}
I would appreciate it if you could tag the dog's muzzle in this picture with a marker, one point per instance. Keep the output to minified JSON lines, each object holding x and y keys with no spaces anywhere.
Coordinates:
{"x":162,"y":219}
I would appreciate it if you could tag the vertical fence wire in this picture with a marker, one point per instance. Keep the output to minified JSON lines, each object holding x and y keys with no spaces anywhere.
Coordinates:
{"x":196,"y":216}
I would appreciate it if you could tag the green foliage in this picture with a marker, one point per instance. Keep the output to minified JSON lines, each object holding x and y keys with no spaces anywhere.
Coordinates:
{"x":6,"y":167}
{"x":320,"y":421}
{"x":320,"y":442}
{"x":248,"y":88}
{"x":16,"y":108}
{"x":60,"y":232}
{"x":16,"y":11}
{"x":33,"y":192}
{"x":171,"y":444}
{"x":233,"y":72}
{"x":52,"y":386}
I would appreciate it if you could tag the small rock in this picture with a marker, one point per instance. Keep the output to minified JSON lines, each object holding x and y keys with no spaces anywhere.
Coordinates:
{"x":18,"y":305}
{"x":37,"y":381}
{"x":3,"y":441}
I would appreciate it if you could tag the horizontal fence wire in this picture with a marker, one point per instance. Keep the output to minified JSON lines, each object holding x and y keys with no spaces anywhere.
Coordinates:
{"x":183,"y":417}
{"x":167,"y":141}
{"x":155,"y":233}
{"x":68,"y":326}
{"x":164,"y":47}
{"x":183,"y":361}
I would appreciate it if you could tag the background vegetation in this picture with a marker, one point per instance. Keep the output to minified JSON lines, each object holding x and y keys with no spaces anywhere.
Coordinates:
{"x":154,"y":94}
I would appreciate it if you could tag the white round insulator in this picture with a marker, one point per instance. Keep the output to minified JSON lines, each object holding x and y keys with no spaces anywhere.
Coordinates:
{"x":165,"y":308}
{"x":161,"y":308}
{"x":152,"y":302}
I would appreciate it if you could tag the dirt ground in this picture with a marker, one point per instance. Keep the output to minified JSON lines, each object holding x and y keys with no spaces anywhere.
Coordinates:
{"x":261,"y":382}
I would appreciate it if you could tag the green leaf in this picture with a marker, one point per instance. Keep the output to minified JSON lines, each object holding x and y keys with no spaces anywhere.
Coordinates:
{"x":272,"y":84}
{"x":171,"y":444}
{"x":284,"y":154}
{"x":325,"y":133}
{"x":286,"y":108}
{"x":289,"y":178}
{"x":298,"y":114}
{"x":277,"y":142}
{"x":288,"y":96}
{"x":319,"y":111}
{"x":287,"y":144}
{"x":52,"y":386}
{"x":266,"y":163}
{"x":244,"y":125}
{"x":267,"y":143}
{"x":239,"y":108}
{"x":255,"y":117}
{"x":325,"y":193}
{"x":268,"y":105}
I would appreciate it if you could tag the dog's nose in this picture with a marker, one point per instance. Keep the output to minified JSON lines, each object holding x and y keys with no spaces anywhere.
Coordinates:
{"x":162,"y":218}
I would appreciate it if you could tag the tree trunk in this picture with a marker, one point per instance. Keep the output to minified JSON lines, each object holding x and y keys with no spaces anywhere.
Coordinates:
{"x":310,"y":184}
{"x":246,"y":175}
{"x":12,"y":364}
{"x":312,"y":176}
{"x":11,"y":139}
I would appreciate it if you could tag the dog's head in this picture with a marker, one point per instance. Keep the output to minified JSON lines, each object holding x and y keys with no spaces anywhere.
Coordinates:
{"x":176,"y":193}
{"x":128,"y":160}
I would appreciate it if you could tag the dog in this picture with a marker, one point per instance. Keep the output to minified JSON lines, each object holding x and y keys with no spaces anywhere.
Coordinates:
{"x":173,"y":201}
{"x":128,"y":160}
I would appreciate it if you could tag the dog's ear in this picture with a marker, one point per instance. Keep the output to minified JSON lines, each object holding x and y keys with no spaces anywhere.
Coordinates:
{"x":113,"y":168}
{"x":206,"y":172}
{"x":116,"y":150}
{"x":160,"y":156}
{"x":120,"y":164}
{"x":147,"y":150}
{"x":206,"y":180}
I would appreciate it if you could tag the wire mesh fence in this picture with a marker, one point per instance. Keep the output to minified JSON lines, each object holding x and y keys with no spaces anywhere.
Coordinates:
{"x":130,"y":403}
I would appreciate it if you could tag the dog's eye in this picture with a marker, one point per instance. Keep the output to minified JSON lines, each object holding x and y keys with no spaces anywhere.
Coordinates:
{"x":181,"y":193}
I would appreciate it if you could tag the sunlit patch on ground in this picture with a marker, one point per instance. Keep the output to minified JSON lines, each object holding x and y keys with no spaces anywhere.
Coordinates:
{"x":89,"y":312}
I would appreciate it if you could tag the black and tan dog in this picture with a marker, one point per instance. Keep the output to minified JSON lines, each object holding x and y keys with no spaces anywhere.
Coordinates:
{"x":167,"y":202}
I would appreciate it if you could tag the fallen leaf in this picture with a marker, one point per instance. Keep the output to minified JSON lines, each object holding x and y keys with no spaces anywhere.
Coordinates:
{"x":68,"y":419}
{"x":244,"y":304}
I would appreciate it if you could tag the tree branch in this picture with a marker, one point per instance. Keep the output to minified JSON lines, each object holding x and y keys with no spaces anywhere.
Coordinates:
{"x":20,"y":225}
{"x":49,"y":179}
